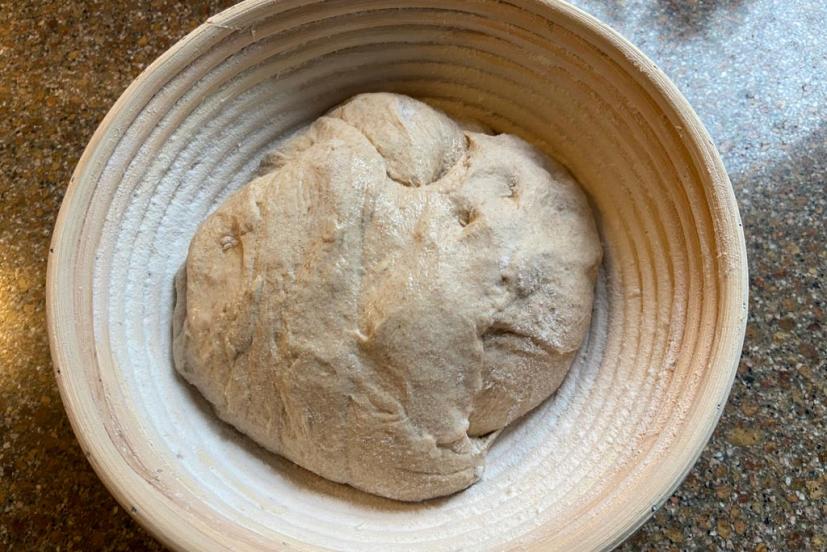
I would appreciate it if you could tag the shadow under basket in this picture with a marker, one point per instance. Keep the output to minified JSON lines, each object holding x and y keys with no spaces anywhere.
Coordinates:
{"x":580,"y":472}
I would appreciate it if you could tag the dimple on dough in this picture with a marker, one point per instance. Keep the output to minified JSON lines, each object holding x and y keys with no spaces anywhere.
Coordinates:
{"x":387,"y":294}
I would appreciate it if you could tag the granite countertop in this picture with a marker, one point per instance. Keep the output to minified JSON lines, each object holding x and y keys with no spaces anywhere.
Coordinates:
{"x":754,"y":70}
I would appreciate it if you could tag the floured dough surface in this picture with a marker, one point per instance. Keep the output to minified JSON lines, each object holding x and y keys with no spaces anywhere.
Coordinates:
{"x":387,"y":295}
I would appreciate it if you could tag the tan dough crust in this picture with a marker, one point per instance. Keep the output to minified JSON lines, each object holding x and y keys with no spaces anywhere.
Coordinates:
{"x":387,"y":295}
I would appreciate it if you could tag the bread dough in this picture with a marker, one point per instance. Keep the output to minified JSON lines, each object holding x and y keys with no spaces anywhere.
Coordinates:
{"x":388,"y":294}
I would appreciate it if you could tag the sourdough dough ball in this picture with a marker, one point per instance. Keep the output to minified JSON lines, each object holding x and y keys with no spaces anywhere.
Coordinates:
{"x":387,"y":295}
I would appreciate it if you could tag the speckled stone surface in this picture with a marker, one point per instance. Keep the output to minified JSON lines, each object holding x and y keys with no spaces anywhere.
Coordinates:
{"x":756,"y":72}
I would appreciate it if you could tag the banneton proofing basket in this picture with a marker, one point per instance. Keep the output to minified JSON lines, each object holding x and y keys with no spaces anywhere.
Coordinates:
{"x":580,"y":472}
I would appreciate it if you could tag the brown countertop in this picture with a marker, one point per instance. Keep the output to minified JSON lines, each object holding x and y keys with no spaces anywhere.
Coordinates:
{"x":760,"y":484}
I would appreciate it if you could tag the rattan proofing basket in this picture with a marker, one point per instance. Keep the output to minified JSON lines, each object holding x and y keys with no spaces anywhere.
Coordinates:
{"x":583,"y":470}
